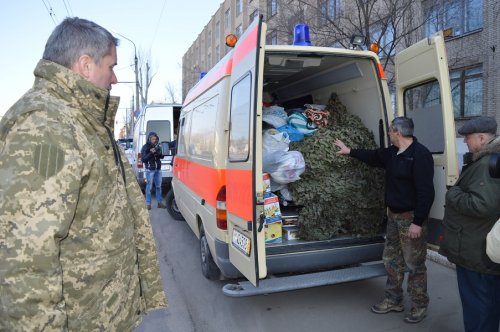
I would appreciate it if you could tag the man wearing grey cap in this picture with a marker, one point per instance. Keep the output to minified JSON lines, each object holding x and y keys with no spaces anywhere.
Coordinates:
{"x":472,"y":208}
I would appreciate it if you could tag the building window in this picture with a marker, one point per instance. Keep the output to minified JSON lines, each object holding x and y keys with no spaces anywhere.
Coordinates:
{"x":239,"y":31}
{"x":239,"y":7}
{"x":254,"y":14}
{"x":209,"y":39}
{"x":209,"y":61}
{"x":272,"y":38}
{"x":461,"y":16}
{"x":467,"y":91}
{"x":217,"y":53}
{"x":329,"y":9}
{"x":422,"y":103}
{"x":227,"y":19}
{"x":385,"y":40}
{"x":272,"y":8}
{"x":217,"y":31}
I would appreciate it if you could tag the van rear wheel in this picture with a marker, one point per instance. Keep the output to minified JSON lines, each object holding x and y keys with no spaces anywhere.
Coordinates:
{"x":172,"y":208}
{"x":208,"y":266}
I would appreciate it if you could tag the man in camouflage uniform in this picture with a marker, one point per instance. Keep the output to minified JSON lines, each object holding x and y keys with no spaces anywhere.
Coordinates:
{"x":77,"y":251}
{"x":409,"y":194}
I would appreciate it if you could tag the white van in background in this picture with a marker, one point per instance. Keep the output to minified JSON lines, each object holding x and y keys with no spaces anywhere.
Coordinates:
{"x":160,"y":118}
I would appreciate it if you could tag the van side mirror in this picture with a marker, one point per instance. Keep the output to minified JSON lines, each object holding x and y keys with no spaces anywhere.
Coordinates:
{"x":165,"y":148}
{"x":494,"y":165}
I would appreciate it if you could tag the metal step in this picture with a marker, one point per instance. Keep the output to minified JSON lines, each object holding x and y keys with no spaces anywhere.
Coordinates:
{"x":294,"y":282}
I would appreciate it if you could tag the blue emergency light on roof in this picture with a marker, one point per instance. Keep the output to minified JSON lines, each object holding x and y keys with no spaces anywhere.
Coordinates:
{"x":202,"y":74}
{"x":301,"y":35}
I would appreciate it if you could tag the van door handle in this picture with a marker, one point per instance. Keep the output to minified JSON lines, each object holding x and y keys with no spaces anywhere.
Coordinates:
{"x":261,"y":222}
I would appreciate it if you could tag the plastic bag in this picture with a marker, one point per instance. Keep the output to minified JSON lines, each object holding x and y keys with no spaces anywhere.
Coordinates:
{"x":293,"y":134}
{"x":274,"y":145}
{"x":290,"y":166}
{"x":493,"y":243}
{"x":275,"y":116}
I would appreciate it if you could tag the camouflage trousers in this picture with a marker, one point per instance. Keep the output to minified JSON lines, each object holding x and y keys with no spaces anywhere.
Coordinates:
{"x":401,"y":254}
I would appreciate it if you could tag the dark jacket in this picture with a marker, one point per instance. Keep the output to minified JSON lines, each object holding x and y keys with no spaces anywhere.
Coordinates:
{"x":472,"y":208}
{"x":408,"y":177}
{"x":151,"y":160}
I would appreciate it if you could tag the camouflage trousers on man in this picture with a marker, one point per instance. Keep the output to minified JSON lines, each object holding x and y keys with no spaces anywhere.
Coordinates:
{"x":401,"y":254}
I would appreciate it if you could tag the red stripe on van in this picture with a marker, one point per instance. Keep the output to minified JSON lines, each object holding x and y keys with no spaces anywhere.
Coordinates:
{"x":239,"y":193}
{"x":247,"y":45}
{"x":210,"y":79}
{"x":203,"y":180}
{"x":206,"y":182}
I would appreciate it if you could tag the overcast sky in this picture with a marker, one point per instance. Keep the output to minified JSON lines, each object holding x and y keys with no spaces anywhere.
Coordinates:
{"x":165,"y":28}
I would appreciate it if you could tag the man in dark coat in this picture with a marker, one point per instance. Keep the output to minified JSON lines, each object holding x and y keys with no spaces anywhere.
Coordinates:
{"x":409,"y":194}
{"x":472,"y":208}
{"x":151,"y":157}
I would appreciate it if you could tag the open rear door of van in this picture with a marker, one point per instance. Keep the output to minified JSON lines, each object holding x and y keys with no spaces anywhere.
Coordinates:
{"x":424,"y":94}
{"x":244,"y":169}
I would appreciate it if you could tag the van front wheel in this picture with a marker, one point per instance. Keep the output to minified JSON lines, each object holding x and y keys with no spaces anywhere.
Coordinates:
{"x":172,"y":208}
{"x":208,"y":266}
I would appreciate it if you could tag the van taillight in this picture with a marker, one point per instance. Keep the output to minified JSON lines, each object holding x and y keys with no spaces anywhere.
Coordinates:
{"x":139,"y":161}
{"x":220,"y":209}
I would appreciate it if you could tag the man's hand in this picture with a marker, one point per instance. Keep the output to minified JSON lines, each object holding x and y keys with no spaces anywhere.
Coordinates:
{"x":152,"y":150}
{"x":343,"y":148}
{"x":415,"y":231}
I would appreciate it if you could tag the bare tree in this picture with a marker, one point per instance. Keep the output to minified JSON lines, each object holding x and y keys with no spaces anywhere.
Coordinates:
{"x":171,"y":93}
{"x":145,"y":77}
{"x":392,"y":24}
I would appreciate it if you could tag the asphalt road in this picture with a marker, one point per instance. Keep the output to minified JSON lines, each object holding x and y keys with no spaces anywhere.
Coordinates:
{"x":198,"y":305}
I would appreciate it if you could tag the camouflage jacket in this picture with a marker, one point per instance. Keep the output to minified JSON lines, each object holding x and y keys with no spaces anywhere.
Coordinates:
{"x":76,"y":248}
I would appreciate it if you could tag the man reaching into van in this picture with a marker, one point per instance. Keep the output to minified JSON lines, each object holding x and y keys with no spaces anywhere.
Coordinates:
{"x":409,"y":194}
{"x":151,"y":157}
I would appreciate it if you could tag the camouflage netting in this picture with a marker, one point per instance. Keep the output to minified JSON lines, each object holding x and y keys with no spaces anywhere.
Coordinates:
{"x":339,"y":194}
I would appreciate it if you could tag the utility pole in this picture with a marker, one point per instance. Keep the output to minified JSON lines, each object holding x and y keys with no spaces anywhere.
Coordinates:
{"x":136,"y":70}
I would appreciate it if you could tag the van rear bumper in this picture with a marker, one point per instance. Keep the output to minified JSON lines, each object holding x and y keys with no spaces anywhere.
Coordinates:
{"x":280,"y":259}
{"x":324,"y":259}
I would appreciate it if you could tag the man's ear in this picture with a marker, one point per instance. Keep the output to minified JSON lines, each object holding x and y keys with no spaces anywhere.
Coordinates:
{"x":83,"y":66}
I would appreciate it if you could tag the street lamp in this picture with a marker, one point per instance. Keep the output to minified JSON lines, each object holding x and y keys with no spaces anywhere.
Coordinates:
{"x":136,"y":79}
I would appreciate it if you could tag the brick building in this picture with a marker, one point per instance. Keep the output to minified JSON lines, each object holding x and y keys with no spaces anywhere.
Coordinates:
{"x":471,"y":27}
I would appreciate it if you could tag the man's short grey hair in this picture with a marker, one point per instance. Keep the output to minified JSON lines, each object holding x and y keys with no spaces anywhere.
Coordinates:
{"x":404,"y":125}
{"x":75,"y":37}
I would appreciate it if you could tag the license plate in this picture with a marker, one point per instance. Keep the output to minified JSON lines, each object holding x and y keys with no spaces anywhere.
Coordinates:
{"x":165,"y":167}
{"x":241,"y":242}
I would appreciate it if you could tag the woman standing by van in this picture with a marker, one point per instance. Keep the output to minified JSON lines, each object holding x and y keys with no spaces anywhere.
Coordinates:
{"x":151,"y":155}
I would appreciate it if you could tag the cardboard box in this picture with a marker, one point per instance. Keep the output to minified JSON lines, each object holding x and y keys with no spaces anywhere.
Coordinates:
{"x":266,"y":179}
{"x":272,"y":212}
{"x":290,"y":232}
{"x":273,"y":232}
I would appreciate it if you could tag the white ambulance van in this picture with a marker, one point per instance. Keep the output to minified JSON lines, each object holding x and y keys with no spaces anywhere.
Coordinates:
{"x":160,"y":118}
{"x":217,"y":184}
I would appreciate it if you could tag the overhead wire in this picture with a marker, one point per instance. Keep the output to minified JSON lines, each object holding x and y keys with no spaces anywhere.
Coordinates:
{"x":67,"y":5}
{"x":159,"y":20}
{"x":50,"y":10}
